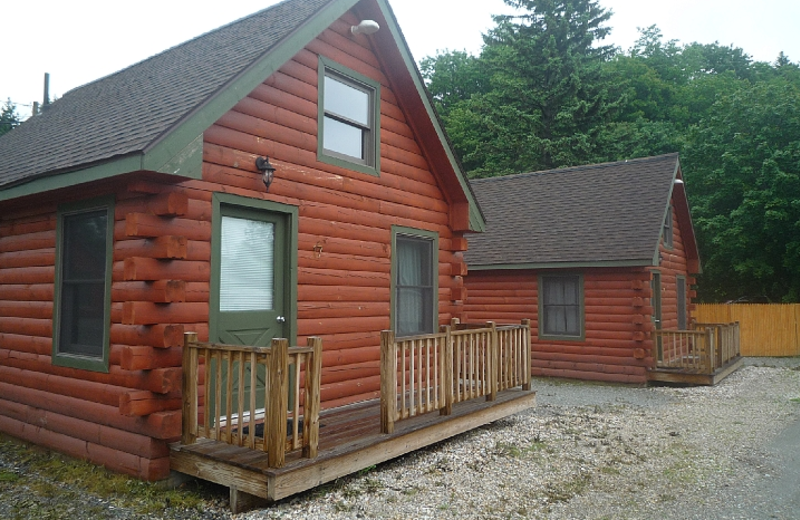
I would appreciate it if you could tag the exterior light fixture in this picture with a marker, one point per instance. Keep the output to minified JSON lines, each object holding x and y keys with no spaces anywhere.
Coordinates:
{"x":678,"y":181}
{"x":267,"y":170}
{"x":365,"y":27}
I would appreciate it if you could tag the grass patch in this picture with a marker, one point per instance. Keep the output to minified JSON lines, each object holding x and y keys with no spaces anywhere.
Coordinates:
{"x":795,"y":400}
{"x":50,"y":476}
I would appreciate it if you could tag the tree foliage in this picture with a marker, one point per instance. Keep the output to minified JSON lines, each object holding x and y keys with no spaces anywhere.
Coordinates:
{"x":9,"y":118}
{"x":544,"y":93}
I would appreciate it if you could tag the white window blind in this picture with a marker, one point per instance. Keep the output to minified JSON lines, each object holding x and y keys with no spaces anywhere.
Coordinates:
{"x":246,"y":265}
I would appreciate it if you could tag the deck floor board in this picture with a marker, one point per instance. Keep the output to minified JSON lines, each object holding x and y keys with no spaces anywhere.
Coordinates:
{"x":349,"y":440}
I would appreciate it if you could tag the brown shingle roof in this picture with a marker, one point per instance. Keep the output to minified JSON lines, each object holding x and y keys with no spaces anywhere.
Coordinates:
{"x":587,"y":215}
{"x":127,"y":112}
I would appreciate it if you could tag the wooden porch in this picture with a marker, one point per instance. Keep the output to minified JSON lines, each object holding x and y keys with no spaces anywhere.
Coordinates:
{"x":266,"y":446}
{"x":705,"y":355}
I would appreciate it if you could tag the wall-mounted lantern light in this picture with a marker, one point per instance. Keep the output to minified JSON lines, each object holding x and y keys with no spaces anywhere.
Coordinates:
{"x":263,"y":165}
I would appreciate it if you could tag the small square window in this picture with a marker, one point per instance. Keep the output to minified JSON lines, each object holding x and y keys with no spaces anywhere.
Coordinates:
{"x":561,"y":306}
{"x":348,"y":119}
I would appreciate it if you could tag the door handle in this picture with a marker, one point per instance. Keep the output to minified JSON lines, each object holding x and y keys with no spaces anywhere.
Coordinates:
{"x":280,"y":319}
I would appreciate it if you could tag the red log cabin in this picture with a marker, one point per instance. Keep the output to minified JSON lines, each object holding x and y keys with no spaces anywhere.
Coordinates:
{"x":284,"y":176}
{"x":601,"y":258}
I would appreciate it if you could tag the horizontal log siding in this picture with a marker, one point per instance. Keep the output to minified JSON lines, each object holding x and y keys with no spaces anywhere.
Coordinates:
{"x":617,"y":321}
{"x":163,"y":232}
{"x":78,"y":411}
{"x":673,"y":264}
{"x":343,"y":285}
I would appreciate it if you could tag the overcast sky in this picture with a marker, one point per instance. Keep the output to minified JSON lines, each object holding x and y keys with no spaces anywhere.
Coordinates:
{"x":77,"y":41}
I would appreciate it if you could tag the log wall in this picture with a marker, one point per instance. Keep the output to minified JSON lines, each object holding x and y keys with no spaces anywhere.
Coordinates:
{"x":161,"y":270}
{"x":618,"y":316}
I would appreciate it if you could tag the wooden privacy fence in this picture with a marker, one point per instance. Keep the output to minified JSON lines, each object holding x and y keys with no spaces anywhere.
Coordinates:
{"x":708,"y":347}
{"x":768,"y":329}
{"x":421,"y":374}
{"x":245,"y":396}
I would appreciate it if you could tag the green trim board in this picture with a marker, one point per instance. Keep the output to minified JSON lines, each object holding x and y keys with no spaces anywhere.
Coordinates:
{"x":66,"y":359}
{"x":290,"y":215}
{"x":419,"y":234}
{"x":648,"y":262}
{"x":581,"y":302}
{"x":477,"y":220}
{"x":372,"y":163}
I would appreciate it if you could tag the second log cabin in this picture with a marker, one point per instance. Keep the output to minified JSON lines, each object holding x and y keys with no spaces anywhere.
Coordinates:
{"x":603,"y":258}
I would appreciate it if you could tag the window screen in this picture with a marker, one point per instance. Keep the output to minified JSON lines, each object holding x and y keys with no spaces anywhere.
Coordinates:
{"x":560,"y":297}
{"x":82,"y":284}
{"x":414,"y":285}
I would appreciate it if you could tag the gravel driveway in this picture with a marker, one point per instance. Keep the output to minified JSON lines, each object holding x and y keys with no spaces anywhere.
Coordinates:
{"x":588,"y":451}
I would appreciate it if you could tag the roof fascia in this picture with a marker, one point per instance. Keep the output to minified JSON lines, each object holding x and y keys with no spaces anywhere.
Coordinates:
{"x":666,"y":210}
{"x":98,"y":172}
{"x":644,"y":262}
{"x":477,"y":221}
{"x":685,"y":224}
{"x":179,"y":150}
{"x":175,"y":149}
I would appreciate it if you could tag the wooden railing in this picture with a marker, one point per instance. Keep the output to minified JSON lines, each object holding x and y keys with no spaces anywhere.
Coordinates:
{"x":244,"y":394}
{"x":703,"y":350}
{"x":421,"y":374}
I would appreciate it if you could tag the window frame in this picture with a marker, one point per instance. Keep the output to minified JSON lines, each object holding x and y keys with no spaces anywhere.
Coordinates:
{"x":67,"y":359}
{"x":415,"y":234}
{"x":371,"y":163}
{"x":668,"y":229}
{"x":542,"y":280}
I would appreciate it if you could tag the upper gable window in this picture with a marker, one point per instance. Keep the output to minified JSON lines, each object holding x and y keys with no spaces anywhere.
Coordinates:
{"x":668,"y":228}
{"x":348,"y":119}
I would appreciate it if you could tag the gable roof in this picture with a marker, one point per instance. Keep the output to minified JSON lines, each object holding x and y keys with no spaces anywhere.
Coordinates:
{"x":151,"y":115}
{"x":599,"y":215}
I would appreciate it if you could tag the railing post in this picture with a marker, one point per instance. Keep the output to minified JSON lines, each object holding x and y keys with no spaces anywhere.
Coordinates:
{"x":388,"y":381}
{"x":710,"y":350}
{"x":189,"y":388}
{"x":279,"y":402}
{"x":494,"y":361}
{"x":527,"y":357}
{"x":313,"y":376}
{"x":449,"y":368}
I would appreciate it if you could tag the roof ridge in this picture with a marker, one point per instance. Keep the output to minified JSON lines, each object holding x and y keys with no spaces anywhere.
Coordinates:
{"x":575,"y":168}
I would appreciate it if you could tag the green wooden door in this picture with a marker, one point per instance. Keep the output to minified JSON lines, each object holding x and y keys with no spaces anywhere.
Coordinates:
{"x":249,"y":284}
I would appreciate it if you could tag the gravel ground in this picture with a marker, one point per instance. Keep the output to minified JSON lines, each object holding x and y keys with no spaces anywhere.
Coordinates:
{"x":586,"y":451}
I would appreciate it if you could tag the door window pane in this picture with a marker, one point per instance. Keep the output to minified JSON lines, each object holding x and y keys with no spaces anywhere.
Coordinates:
{"x":246,"y":265}
{"x":414,"y":298}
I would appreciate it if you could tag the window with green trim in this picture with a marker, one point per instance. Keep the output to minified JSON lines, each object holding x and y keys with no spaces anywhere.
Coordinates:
{"x":668,"y":228}
{"x":561,"y":306}
{"x":348,"y":118}
{"x":82,"y":303}
{"x":415,"y":284}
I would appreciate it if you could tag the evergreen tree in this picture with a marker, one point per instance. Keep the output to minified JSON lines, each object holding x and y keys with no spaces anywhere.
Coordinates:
{"x":8,"y":117}
{"x":543,"y":96}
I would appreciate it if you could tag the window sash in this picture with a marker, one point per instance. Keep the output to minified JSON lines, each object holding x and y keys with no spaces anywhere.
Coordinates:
{"x":83,"y":270}
{"x":414,"y":286}
{"x":561,"y":306}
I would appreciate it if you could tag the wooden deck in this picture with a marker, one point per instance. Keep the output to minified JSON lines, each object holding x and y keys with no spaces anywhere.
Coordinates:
{"x":705,"y":355}
{"x":694,"y":376}
{"x":350,"y":440}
